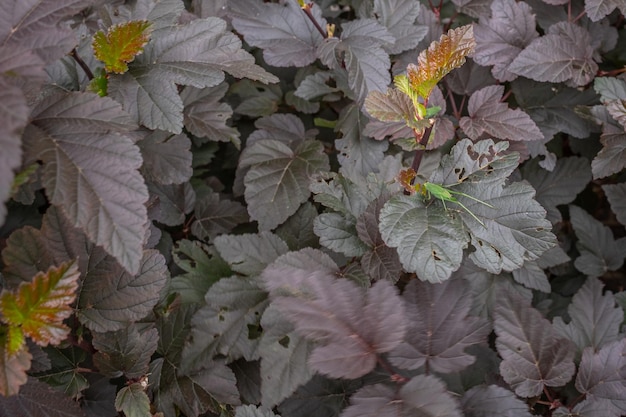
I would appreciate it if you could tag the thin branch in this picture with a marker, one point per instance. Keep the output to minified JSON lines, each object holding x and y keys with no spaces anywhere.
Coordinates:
{"x":419,"y":153}
{"x":82,"y":63}
{"x":307,"y":10}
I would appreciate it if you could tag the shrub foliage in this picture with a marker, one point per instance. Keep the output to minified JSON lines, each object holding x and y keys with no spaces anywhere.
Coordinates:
{"x":333,"y":208}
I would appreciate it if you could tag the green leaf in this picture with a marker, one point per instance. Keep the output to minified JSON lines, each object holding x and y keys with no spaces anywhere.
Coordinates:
{"x":297,"y":230}
{"x":65,"y":374}
{"x":121,"y":44}
{"x":195,"y":54}
{"x":125,"y":352}
{"x":249,"y":254}
{"x":37,"y":309}
{"x":277,"y":181}
{"x":339,"y":234}
{"x":599,"y":251}
{"x":133,"y":401}
{"x":202,"y":389}
{"x":111,"y":297}
{"x":202,"y":269}
{"x":194,"y":393}
{"x":429,"y":240}
{"x":284,"y":356}
{"x":227,"y":323}
{"x":90,"y":170}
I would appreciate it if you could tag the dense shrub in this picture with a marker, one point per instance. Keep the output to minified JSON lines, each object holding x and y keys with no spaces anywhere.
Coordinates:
{"x":338,"y":208}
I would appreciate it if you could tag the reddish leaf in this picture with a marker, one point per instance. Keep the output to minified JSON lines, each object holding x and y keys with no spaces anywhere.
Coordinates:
{"x":121,"y":44}
{"x":37,"y":309}
{"x":440,"y":58}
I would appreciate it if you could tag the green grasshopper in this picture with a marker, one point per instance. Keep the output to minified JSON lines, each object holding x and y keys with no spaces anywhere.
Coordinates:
{"x":430,"y":189}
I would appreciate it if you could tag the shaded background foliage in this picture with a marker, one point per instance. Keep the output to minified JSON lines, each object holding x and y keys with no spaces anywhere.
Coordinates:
{"x":207,"y":208}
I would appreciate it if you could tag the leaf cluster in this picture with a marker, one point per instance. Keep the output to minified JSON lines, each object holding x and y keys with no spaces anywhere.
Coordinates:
{"x":332,"y":208}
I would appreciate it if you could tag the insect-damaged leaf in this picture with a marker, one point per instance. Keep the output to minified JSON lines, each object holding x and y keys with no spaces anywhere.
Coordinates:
{"x":440,"y":58}
{"x":284,"y":356}
{"x":226,"y":323}
{"x":37,"y":309}
{"x":440,"y":328}
{"x":430,"y":237}
{"x":502,"y":37}
{"x":277,"y":181}
{"x":595,"y":319}
{"x":91,"y":170}
{"x":428,"y":240}
{"x":203,"y":388}
{"x":352,"y":325}
{"x":423,"y":395}
{"x":564,"y":53}
{"x":121,"y":44}
{"x":533,"y":357}
{"x":488,"y":115}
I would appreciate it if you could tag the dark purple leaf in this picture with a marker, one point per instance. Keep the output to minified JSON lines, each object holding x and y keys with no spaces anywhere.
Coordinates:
{"x":352,"y":326}
{"x":440,"y":328}
{"x":493,"y":401}
{"x":602,"y":372}
{"x":501,"y":38}
{"x":595,"y":319}
{"x":533,"y":357}
{"x":488,"y":115}
{"x":563,"y":54}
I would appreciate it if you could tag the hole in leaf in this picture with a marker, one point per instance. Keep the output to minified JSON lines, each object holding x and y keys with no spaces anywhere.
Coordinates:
{"x":254,"y":331}
{"x":284,"y":342}
{"x":437,"y":258}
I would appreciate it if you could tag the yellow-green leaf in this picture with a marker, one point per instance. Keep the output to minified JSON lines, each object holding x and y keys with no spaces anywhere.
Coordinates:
{"x":440,"y":58}
{"x":37,"y":309}
{"x":121,"y":44}
{"x":13,"y":367}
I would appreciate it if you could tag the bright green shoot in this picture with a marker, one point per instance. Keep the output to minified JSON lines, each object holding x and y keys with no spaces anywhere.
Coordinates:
{"x":445,"y":194}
